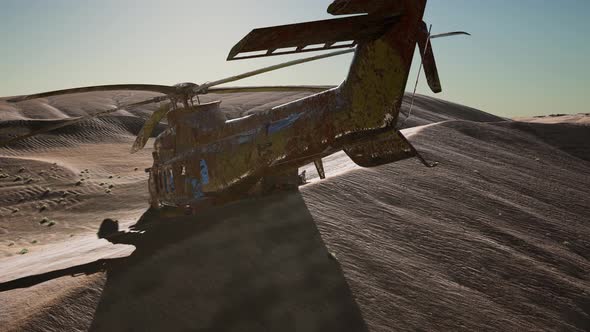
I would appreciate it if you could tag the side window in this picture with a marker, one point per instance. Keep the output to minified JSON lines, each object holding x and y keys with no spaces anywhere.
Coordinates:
{"x":165,"y":180}
{"x":157,"y":179}
{"x":171,"y":174}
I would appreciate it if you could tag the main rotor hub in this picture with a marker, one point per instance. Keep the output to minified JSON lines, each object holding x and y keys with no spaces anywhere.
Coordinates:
{"x":184,"y":92}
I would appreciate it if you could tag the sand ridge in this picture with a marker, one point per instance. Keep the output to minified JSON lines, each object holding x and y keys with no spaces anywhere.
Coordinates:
{"x":580,"y":118}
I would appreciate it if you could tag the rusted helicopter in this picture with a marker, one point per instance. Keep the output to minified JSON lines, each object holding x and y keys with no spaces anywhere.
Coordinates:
{"x":204,"y":158}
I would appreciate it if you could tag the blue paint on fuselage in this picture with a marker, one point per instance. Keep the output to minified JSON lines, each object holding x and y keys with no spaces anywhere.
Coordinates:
{"x":284,"y":123}
{"x":247,"y":137}
{"x":204,"y":172}
{"x":196,"y":189}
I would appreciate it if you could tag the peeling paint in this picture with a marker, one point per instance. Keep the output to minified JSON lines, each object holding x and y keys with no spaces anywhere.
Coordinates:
{"x":204,"y":172}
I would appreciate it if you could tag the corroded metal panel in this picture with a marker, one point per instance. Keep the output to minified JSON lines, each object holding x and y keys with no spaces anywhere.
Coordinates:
{"x":379,"y":72}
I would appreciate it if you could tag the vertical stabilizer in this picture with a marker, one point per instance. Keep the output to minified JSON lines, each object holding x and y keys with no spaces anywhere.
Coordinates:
{"x":379,"y":72}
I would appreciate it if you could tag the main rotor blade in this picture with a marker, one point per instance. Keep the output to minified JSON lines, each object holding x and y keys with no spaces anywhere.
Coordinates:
{"x":205,"y":86}
{"x":73,"y":121}
{"x":146,"y":131}
{"x":131,"y":87}
{"x":168,"y":90}
{"x":293,"y":88}
{"x":449,"y":34}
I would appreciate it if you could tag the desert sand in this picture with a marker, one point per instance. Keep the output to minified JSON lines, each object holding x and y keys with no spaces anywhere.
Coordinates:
{"x":580,"y":118}
{"x":495,"y":238}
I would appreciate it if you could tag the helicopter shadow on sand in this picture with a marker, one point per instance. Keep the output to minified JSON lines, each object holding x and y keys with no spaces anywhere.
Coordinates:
{"x":257,"y":264}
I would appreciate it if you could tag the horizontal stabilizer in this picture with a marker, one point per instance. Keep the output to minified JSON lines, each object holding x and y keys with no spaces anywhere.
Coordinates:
{"x":311,"y":36}
{"x":381,"y":149}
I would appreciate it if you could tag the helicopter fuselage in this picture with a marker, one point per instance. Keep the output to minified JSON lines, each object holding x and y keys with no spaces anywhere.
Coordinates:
{"x":202,"y":156}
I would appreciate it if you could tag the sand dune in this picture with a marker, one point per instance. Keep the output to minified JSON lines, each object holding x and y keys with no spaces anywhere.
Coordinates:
{"x":495,"y":238}
{"x":580,"y":118}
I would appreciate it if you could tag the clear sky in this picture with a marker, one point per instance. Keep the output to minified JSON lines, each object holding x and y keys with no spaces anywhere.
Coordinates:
{"x":526,"y":57}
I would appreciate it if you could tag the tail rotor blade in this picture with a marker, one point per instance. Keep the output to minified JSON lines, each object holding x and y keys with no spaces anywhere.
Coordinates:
{"x":450,"y":34}
{"x":428,"y":62}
